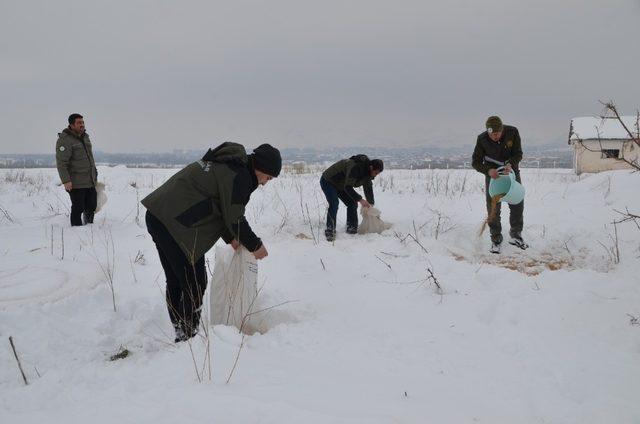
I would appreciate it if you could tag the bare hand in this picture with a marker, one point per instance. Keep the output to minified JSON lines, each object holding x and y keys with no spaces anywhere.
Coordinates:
{"x":235,"y":244}
{"x":261,"y":252}
{"x":507,"y":169}
{"x":364,"y":203}
{"x":68,"y":186}
{"x":493,"y":173}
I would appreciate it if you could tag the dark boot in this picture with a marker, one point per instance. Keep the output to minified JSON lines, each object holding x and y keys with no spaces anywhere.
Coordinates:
{"x":184,"y":332}
{"x":87,"y":218}
{"x":180,"y":334}
{"x":330,"y":234}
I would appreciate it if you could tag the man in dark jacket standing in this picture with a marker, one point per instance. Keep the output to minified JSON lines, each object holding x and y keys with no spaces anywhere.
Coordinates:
{"x":499,"y":151}
{"x":77,"y":170}
{"x":338,"y":181}
{"x":193,"y":209}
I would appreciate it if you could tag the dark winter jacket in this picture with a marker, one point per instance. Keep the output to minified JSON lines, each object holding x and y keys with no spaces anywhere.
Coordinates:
{"x":74,"y":159}
{"x":206,"y":201}
{"x":489,"y":154}
{"x":346,"y":174}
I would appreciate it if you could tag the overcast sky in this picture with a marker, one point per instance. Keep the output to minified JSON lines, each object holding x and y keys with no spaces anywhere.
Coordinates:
{"x":159,"y":75}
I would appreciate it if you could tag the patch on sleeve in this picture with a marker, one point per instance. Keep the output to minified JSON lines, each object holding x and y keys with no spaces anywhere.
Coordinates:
{"x":510,"y":143}
{"x":62,"y":148}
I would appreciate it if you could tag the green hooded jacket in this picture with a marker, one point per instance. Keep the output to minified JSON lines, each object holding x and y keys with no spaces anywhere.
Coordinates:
{"x":348,"y":173}
{"x":74,"y":159}
{"x":206,"y":201}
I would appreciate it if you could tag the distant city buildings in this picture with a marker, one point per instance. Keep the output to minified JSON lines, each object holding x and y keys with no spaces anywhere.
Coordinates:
{"x":418,"y":157}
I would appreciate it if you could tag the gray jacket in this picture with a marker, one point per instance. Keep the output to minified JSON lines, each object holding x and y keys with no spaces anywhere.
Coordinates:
{"x":74,"y":159}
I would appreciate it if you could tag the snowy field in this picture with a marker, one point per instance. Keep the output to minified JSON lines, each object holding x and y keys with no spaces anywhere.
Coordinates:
{"x":355,"y":332}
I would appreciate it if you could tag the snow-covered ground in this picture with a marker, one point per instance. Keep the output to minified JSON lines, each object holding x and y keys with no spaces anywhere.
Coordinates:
{"x":360,"y":332}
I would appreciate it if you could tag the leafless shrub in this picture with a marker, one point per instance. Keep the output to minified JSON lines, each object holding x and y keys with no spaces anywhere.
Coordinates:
{"x":385,"y":182}
{"x":431,"y":278}
{"x":138,"y":259}
{"x":313,"y":234}
{"x":107,"y":263}
{"x":384,"y":262}
{"x":15,"y":354}
{"x":16,"y":176}
{"x":134,"y":184}
{"x":628,"y":217}
{"x":299,"y":189}
{"x":611,"y":109}
{"x":403,"y":239}
{"x":613,"y":248}
{"x":240,"y":330}
{"x":284,"y":214}
{"x":5,"y":215}
{"x":203,"y":335}
{"x":29,"y":183}
{"x":442,"y":223}
{"x":245,"y":319}
{"x":62,"y":243}
{"x":52,"y":211}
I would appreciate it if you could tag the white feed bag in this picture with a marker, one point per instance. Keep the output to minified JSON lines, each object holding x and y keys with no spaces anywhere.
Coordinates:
{"x":371,"y":221}
{"x":101,"y":196}
{"x":233,"y":291}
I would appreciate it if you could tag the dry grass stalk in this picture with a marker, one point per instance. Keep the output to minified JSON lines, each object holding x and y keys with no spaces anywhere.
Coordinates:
{"x":15,"y":354}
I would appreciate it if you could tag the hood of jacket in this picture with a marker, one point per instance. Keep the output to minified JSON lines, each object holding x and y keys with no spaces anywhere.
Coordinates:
{"x":70,"y":133}
{"x":227,"y":152}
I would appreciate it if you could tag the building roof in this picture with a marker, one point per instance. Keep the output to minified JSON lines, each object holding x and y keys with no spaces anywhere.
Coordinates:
{"x":595,"y":127}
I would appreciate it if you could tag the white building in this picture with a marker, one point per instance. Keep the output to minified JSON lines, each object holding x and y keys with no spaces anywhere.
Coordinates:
{"x":599,"y":144}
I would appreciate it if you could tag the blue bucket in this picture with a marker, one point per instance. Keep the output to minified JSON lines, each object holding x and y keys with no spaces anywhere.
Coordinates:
{"x":507,"y":185}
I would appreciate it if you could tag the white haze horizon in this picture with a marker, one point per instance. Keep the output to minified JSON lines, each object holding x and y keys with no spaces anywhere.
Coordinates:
{"x":157,"y":76}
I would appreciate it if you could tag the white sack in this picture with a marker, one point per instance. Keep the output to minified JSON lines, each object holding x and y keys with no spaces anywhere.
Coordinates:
{"x":102,"y":196}
{"x":234,"y":288}
{"x":371,"y":221}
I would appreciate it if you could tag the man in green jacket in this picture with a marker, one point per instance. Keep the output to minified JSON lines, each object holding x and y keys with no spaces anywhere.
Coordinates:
{"x":338,"y":181}
{"x":77,"y":170}
{"x":499,"y":151}
{"x":198,"y":205}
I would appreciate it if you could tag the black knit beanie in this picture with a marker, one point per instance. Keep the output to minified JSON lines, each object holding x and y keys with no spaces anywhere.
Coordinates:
{"x":267,"y":159}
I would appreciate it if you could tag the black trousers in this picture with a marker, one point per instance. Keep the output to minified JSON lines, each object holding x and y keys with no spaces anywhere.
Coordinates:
{"x":186,"y":281}
{"x":83,"y":200}
{"x":516,"y":220}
